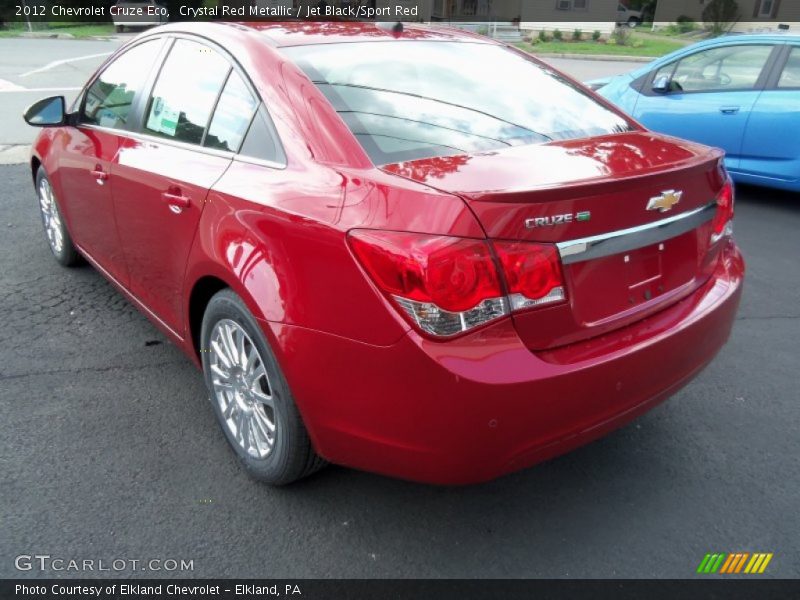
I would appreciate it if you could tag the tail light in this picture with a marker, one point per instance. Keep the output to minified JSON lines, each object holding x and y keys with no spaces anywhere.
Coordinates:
{"x":448,"y":285}
{"x":533,"y":273}
{"x":722,"y":225}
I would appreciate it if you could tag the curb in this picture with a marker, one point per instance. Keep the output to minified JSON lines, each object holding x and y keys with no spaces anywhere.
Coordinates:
{"x":597,"y":57}
{"x":41,"y":35}
{"x":44,"y":35}
{"x":14,"y":154}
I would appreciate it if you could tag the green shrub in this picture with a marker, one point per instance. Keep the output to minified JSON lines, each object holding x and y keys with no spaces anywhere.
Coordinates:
{"x":596,"y":35}
{"x":577,"y":35}
{"x":543,"y":36}
{"x":720,"y":14}
{"x":685,"y":24}
{"x":622,"y":36}
{"x":557,"y":35}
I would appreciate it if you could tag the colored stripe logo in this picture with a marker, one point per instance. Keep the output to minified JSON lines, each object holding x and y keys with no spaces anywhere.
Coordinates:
{"x":737,"y":562}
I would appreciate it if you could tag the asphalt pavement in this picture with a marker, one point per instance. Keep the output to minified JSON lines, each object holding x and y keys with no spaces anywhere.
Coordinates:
{"x":109,"y":450}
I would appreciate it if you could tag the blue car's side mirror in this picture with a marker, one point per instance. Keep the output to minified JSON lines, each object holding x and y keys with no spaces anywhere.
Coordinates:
{"x":663,"y":84}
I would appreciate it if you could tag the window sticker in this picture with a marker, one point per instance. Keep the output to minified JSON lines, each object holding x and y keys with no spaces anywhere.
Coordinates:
{"x":107,"y":118}
{"x":163,"y":119}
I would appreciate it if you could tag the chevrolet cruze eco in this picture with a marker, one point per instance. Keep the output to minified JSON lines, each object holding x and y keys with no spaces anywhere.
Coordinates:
{"x":408,"y":250}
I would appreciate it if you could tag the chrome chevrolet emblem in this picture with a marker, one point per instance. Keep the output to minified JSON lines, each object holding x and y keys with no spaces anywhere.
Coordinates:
{"x":665,"y":201}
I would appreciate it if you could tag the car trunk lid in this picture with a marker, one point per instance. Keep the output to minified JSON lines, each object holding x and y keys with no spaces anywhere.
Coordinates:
{"x":631,"y":215}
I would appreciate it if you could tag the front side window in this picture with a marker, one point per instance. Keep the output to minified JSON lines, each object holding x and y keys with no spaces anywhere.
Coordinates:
{"x":185,"y":92}
{"x":790,"y":78}
{"x":718,"y":69}
{"x":109,"y":99}
{"x":405,"y":100}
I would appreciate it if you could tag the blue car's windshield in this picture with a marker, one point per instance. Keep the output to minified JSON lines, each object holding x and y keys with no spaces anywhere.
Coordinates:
{"x":405,"y":100}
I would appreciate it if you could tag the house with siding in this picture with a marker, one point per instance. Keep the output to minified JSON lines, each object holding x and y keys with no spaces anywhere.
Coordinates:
{"x":533,"y":15}
{"x":754,"y":15}
{"x":568,"y":15}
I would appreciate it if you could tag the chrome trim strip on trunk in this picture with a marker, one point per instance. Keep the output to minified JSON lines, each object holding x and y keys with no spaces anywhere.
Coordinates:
{"x":623,"y":240}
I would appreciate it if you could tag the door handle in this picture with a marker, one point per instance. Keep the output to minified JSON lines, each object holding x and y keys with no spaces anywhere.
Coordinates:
{"x":729,"y":110}
{"x":99,"y":175}
{"x":177,"y":202}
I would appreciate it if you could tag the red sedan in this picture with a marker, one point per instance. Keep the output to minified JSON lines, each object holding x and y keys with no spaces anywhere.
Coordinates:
{"x":408,"y":250}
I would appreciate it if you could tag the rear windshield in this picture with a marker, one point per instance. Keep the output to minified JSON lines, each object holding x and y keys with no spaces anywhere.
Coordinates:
{"x":406,"y":100}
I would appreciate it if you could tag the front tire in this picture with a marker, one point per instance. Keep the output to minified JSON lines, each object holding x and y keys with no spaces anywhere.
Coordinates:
{"x":250,"y":395}
{"x":55,"y":229}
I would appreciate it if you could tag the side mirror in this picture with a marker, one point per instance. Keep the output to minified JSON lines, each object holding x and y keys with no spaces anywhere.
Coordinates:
{"x":663,"y":84}
{"x":48,"y":112}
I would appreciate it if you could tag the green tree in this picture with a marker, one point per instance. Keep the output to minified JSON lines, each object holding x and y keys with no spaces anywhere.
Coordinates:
{"x":720,"y":15}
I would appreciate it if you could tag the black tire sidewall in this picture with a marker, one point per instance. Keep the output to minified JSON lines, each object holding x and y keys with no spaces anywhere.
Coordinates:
{"x":278,"y":465}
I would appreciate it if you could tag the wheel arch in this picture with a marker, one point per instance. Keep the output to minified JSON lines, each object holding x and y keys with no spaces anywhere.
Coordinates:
{"x":35,"y":164}
{"x":201,"y":293}
{"x":205,"y":283}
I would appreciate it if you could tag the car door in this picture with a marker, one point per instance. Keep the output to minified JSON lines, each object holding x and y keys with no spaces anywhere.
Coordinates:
{"x":166,"y":170}
{"x":771,"y":146}
{"x":709,"y":97}
{"x":84,"y":167}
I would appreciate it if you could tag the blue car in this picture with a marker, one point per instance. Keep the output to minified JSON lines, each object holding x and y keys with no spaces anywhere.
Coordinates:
{"x":739,"y":93}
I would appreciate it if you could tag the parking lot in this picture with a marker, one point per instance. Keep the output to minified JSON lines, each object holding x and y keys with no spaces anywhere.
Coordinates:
{"x":110,"y":450}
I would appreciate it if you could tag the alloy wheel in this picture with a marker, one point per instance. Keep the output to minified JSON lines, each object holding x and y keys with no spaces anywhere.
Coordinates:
{"x":242,"y":388}
{"x":51,"y":217}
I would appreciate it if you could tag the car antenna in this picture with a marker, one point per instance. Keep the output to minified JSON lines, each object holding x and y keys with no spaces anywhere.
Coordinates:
{"x":395,"y":28}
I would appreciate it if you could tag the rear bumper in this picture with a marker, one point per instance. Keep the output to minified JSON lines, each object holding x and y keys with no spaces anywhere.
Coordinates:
{"x":482,"y":405}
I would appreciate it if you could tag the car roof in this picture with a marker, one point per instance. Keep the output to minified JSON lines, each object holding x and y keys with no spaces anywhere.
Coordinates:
{"x":753,"y":37}
{"x":304,"y":33}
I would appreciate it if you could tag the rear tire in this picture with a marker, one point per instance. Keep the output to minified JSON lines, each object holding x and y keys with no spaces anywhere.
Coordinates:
{"x":55,"y":229}
{"x":251,"y":397}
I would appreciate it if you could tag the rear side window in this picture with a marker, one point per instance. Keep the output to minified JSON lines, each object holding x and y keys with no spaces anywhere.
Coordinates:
{"x":262,"y":141}
{"x":232,"y":116}
{"x":185,"y":92}
{"x":718,"y":69}
{"x":405,"y":100}
{"x":109,"y":99}
{"x":790,"y":78}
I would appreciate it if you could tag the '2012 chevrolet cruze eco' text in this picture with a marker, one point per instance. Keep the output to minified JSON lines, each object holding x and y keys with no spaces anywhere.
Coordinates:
{"x":408,"y":250}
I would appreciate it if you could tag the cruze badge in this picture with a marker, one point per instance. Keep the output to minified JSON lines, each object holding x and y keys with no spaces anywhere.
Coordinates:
{"x":564,"y":219}
{"x":665,"y":201}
